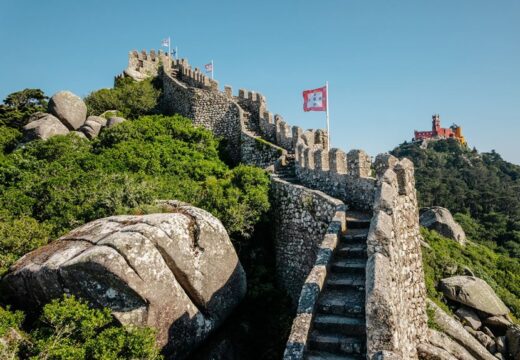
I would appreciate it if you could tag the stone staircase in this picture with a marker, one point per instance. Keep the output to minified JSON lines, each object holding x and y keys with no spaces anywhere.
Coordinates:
{"x":288,"y":171}
{"x":339,"y":329}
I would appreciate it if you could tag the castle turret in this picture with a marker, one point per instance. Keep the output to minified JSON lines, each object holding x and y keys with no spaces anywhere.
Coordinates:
{"x":436,"y":124}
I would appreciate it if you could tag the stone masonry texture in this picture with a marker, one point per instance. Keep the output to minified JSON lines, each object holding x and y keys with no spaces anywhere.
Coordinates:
{"x":304,"y":208}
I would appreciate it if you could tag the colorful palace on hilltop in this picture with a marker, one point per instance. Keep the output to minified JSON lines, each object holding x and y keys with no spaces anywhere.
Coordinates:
{"x":438,"y":132}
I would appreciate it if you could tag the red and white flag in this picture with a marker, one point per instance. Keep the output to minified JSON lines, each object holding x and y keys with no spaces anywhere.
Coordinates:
{"x":315,"y":100}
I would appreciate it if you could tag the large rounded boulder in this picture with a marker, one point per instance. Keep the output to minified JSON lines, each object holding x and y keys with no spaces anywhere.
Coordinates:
{"x":440,"y":219}
{"x":93,"y":126}
{"x":473,"y":292}
{"x":43,"y":126}
{"x":177,"y":272}
{"x":69,"y":108}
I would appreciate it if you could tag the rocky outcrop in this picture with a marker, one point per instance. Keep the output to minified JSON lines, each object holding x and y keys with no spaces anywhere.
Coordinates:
{"x":469,"y":317}
{"x":473,"y":292}
{"x":513,"y":342}
{"x":93,"y":126}
{"x":497,"y":322}
{"x":69,"y":108}
{"x":458,"y":333}
{"x":177,"y":272}
{"x":431,"y":352}
{"x":440,"y":219}
{"x":443,"y":341}
{"x":113,"y":121}
{"x":43,"y":126}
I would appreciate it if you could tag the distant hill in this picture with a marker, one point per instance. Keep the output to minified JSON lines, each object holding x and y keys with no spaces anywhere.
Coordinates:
{"x":482,"y":188}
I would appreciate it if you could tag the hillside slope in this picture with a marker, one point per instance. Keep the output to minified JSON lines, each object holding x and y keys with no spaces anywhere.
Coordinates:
{"x":482,"y":187}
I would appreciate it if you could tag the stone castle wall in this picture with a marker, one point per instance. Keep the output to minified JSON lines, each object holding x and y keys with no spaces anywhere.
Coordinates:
{"x":395,"y":289}
{"x":258,"y":152}
{"x":312,"y":286}
{"x":304,"y":214}
{"x":206,"y":107}
{"x":301,"y":218}
{"x":190,"y":93}
{"x":145,"y":64}
{"x":346,"y":176}
{"x":252,"y":102}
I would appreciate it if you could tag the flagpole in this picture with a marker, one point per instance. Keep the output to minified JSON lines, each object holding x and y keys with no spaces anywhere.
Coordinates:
{"x":328,"y":120}
{"x":212,"y":70}
{"x":176,"y":53}
{"x":169,"y":47}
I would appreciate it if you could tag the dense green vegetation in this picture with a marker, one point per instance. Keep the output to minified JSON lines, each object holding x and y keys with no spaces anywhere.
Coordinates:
{"x":49,"y":187}
{"x":447,"y":258}
{"x":131,"y":98}
{"x":482,"y":187}
{"x":20,"y":105}
{"x":68,"y":329}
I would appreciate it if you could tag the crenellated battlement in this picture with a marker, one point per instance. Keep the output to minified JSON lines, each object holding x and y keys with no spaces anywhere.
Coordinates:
{"x":143,"y":64}
{"x":347,"y":176}
{"x":244,"y":94}
{"x":312,"y":153}
{"x":192,"y":76}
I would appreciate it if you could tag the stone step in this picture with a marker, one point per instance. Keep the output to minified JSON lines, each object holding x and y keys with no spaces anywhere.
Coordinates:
{"x":345,"y":325}
{"x":341,"y":281}
{"x":355,"y":235}
{"x":351,"y":266}
{"x":358,"y":215}
{"x":358,"y":224}
{"x":321,"y":355}
{"x":349,"y":303}
{"x":352,"y":250}
{"x":337,"y":344}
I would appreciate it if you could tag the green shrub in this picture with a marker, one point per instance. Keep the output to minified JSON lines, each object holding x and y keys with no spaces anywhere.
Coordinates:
{"x":18,"y":106}
{"x":70,"y":329}
{"x":10,"y":320}
{"x":10,"y":323}
{"x":19,"y":236}
{"x":9,"y":138}
{"x":131,"y":98}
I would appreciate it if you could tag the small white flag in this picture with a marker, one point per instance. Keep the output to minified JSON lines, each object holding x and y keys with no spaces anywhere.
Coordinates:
{"x":165,"y":42}
{"x":209,"y":67}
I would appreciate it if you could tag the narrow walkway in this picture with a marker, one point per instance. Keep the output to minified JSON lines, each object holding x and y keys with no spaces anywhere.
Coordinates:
{"x":339,"y":329}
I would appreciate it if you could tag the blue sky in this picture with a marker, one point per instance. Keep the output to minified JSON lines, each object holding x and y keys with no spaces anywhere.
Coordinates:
{"x":390,"y":64}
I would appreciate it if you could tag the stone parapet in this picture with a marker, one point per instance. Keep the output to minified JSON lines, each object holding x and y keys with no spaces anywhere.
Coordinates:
{"x":395,"y":290}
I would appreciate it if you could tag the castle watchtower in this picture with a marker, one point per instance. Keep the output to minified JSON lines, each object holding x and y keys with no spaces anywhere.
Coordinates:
{"x":436,"y":124}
